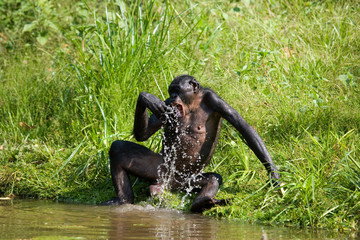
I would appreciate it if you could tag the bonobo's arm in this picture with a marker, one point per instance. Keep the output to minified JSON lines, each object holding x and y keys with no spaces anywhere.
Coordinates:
{"x":251,"y":136}
{"x":144,"y":126}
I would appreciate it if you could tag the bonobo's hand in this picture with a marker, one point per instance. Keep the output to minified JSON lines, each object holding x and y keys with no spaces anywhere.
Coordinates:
{"x":274,"y":179}
{"x":155,"y":104}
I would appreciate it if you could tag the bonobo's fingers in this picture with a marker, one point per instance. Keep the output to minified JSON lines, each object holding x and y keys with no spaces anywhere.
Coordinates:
{"x":279,"y":188}
{"x":282,"y":189}
{"x":155,"y":104}
{"x":275,"y":175}
{"x":274,"y":183}
{"x":274,"y":179}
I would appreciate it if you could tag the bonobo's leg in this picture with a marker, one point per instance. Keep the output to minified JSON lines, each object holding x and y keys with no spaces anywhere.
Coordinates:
{"x":128,"y":157}
{"x":209,"y":184}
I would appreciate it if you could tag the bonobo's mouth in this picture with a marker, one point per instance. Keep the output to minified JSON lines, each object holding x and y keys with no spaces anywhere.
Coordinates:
{"x":179,"y":110}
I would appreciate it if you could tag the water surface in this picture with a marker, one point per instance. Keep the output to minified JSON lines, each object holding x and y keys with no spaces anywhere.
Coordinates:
{"x":31,"y":219}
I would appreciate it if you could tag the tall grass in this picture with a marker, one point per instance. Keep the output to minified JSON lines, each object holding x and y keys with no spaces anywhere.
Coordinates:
{"x":123,"y":54}
{"x":291,"y":69}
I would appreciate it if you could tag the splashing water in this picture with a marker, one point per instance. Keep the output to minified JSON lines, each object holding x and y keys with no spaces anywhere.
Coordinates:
{"x":167,"y":171}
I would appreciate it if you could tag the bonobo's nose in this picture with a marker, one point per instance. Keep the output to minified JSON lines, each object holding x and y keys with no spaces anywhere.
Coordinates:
{"x":174,"y":102}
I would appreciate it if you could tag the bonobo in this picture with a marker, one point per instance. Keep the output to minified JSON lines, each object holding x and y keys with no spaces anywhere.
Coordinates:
{"x":198,"y":114}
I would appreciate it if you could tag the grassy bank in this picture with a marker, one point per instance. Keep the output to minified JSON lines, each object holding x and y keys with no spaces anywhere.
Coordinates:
{"x":71,"y":72}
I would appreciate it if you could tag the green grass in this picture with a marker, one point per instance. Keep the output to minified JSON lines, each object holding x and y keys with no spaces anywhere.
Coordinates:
{"x":70,"y":74}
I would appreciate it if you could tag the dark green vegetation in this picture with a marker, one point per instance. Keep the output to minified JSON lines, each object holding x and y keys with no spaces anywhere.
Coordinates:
{"x":70,"y":74}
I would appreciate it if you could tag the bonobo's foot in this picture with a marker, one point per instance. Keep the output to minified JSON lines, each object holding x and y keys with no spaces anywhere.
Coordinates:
{"x":112,"y":202}
{"x":156,"y":190}
{"x":204,"y":203}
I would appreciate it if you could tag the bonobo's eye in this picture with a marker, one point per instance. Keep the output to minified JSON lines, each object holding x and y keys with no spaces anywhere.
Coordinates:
{"x":173,"y":95}
{"x":194,"y":85}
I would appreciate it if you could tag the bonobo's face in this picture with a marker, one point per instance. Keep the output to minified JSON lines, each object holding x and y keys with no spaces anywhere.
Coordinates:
{"x":182,"y":91}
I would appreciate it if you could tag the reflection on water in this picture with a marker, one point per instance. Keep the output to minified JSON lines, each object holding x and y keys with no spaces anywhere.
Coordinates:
{"x":25,"y":219}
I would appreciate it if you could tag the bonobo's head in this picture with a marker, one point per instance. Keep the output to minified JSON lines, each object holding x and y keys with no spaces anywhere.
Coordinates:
{"x":183,"y":91}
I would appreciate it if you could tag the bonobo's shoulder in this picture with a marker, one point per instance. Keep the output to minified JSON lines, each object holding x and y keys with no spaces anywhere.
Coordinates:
{"x":210,"y":95}
{"x":207,"y":92}
{"x":213,"y":100}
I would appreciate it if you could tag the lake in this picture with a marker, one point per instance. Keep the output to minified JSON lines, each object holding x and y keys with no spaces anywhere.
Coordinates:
{"x":34,"y":219}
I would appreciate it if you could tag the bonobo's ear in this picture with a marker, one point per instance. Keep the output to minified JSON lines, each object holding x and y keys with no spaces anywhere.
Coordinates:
{"x":195,"y":85}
